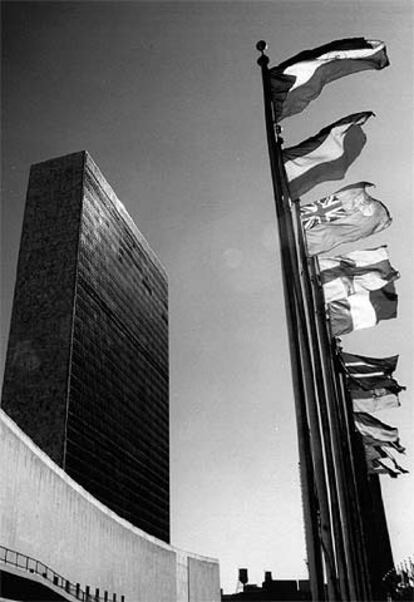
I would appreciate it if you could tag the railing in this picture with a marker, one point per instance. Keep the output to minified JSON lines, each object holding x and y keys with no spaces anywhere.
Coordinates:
{"x":31,"y":565}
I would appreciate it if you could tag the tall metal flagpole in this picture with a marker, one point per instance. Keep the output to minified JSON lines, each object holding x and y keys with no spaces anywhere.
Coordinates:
{"x":358,"y":474}
{"x":331,"y":459}
{"x":323,"y":411}
{"x":314,"y":390}
{"x":349,"y":546}
{"x":308,"y":477}
{"x":373,"y":543}
{"x":344,"y":460}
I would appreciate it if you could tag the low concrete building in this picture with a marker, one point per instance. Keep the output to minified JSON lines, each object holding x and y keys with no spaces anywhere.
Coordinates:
{"x":47,"y":516}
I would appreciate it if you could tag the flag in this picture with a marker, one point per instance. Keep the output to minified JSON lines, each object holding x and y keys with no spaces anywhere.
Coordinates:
{"x":299,"y":80}
{"x":387,"y":454}
{"x":325,"y":156}
{"x":373,"y":431}
{"x":379,"y":459}
{"x":355,"y":272}
{"x":397,"y":445}
{"x":380,"y":467}
{"x":372,"y":453}
{"x":370,"y":382}
{"x":363,"y":310}
{"x":347,"y":215}
{"x":374,"y":400}
{"x":368,"y":372}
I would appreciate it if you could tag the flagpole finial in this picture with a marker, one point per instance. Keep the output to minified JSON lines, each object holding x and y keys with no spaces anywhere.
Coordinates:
{"x":263,"y":60}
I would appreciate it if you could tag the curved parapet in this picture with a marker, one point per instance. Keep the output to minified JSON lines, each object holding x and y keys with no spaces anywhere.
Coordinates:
{"x":47,"y":515}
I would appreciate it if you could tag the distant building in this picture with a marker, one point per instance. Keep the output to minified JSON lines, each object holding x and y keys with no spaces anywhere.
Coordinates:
{"x":86,"y":373}
{"x":271,"y":590}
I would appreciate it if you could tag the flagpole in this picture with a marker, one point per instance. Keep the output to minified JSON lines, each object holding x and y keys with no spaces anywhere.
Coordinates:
{"x":336,"y":439}
{"x":375,"y":537}
{"x":324,"y":468}
{"x":347,"y":501}
{"x":350,"y":534}
{"x":312,"y":386}
{"x":299,"y":332}
{"x":307,"y":477}
{"x":348,"y":495}
{"x":357,"y":471}
{"x":323,"y":409}
{"x":337,"y":481}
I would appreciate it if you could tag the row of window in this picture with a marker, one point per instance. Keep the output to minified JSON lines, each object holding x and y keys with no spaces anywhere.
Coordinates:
{"x":135,"y":307}
{"x":102,"y":225}
{"x":98,"y":207}
{"x":107,"y":457}
{"x":121,"y":421}
{"x":92,"y":315}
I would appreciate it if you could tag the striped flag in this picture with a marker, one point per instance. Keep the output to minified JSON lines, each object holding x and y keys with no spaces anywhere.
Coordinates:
{"x":356,"y":272}
{"x":375,"y":432}
{"x":345,"y":216}
{"x":325,"y":156}
{"x":370,"y":382}
{"x":299,"y":80}
{"x":363,"y":310}
{"x":370,"y":372}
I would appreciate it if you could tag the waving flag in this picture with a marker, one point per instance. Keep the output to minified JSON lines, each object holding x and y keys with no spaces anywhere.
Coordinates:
{"x":347,"y":215}
{"x":375,"y":461}
{"x":380,"y":467}
{"x":370,"y":382}
{"x":370,"y":372}
{"x":363,"y":310}
{"x":385,"y":453}
{"x":299,"y":80}
{"x":374,"y":431}
{"x":355,"y":272}
{"x":374,"y":401}
{"x":380,"y":460}
{"x":372,"y":452}
{"x":325,"y":156}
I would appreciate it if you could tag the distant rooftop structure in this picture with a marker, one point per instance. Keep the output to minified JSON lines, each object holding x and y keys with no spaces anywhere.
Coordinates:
{"x":271,"y":590}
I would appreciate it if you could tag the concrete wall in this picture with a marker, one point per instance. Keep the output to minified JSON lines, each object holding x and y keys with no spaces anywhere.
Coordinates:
{"x":203,"y":578}
{"x":48,"y":516}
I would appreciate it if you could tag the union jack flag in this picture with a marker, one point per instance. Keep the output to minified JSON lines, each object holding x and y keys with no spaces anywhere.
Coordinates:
{"x":326,"y":210}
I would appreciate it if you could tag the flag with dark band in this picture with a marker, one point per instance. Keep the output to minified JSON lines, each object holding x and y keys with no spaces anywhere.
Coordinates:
{"x":300,"y":79}
{"x":325,"y":156}
{"x":370,"y":382}
{"x":345,"y":216}
{"x":370,"y":372}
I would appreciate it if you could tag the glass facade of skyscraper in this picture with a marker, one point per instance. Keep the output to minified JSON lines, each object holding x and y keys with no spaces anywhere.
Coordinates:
{"x":112,"y":395}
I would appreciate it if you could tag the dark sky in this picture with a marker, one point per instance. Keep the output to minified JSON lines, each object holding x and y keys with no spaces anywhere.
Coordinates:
{"x":167,"y":98}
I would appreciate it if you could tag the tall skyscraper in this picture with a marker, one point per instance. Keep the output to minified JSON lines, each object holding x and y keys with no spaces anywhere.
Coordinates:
{"x":86,"y":373}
